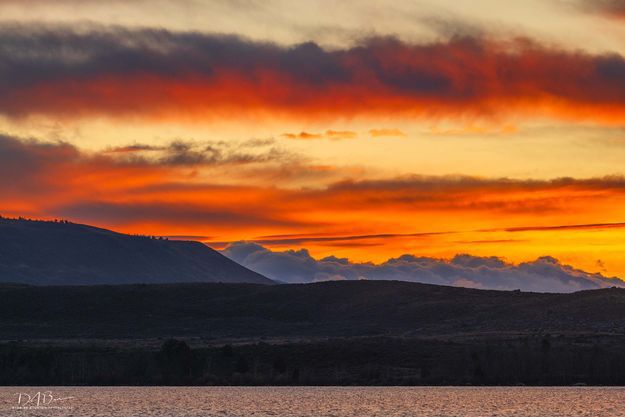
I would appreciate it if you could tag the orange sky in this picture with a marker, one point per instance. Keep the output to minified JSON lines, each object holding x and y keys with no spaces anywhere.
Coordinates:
{"x":462,"y":130}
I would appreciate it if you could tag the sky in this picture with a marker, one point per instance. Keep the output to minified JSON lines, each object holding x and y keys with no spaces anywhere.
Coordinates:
{"x":361,"y":130}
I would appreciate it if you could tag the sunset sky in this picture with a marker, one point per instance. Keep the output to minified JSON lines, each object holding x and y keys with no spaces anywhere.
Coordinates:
{"x":363,"y":129}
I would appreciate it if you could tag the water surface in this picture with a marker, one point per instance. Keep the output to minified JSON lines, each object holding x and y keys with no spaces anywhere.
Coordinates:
{"x":312,"y":401}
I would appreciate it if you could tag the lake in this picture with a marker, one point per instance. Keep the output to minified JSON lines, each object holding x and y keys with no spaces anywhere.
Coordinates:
{"x":311,"y":401}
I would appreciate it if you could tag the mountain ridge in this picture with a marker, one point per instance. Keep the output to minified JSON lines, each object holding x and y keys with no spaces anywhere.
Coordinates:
{"x":43,"y":252}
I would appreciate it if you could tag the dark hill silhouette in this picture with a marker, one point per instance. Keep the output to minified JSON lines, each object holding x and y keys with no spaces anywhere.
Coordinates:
{"x":63,"y":253}
{"x":328,"y":309}
{"x":331,"y":333}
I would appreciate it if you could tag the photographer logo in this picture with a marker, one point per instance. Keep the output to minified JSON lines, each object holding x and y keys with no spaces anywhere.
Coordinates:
{"x":41,"y":400}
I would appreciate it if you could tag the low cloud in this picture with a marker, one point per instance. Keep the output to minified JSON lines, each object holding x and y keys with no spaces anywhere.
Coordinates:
{"x":378,"y":133}
{"x":32,"y":161}
{"x":328,"y":134}
{"x":341,"y":134}
{"x":342,"y":240}
{"x":545,"y":274}
{"x":194,"y":153}
{"x":185,"y":214}
{"x":302,"y":135}
{"x":591,"y":226}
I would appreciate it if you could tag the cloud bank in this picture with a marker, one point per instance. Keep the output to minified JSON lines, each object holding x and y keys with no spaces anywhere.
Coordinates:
{"x":545,"y":274}
{"x":69,"y":72}
{"x":182,"y":181}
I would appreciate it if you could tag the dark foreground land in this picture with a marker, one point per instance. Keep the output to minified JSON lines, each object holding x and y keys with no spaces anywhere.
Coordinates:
{"x":335,"y":333}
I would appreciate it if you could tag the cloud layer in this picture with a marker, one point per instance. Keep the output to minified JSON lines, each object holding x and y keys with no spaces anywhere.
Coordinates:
{"x":184,"y":180}
{"x":545,"y":274}
{"x":249,"y":191}
{"x":69,"y":72}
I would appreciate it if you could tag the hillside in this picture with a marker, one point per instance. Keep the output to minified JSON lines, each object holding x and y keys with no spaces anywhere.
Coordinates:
{"x":62,"y":253}
{"x":330,"y":309}
{"x":331,"y":333}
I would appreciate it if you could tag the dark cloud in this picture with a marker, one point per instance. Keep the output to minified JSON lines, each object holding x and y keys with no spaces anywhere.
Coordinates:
{"x":128,"y":184}
{"x":566,"y":227}
{"x":180,"y":213}
{"x":425,"y":183}
{"x":119,"y":71}
{"x":254,"y":143}
{"x":378,"y":239}
{"x":489,"y":241}
{"x":337,"y":240}
{"x":450,"y":193}
{"x":132,"y":184}
{"x":19,"y":156}
{"x":25,"y":164}
{"x":134,"y":148}
{"x":24,"y":157}
{"x":186,"y":153}
{"x":545,"y":274}
{"x":59,"y":179}
{"x":609,"y":8}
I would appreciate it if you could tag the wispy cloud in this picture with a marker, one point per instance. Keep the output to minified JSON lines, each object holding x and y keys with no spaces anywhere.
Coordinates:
{"x":328,"y":134}
{"x":198,"y":153}
{"x":566,"y":227}
{"x":377,"y":133}
{"x":296,"y":240}
{"x":178,"y":188}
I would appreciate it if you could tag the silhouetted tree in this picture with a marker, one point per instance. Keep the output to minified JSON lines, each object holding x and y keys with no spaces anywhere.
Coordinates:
{"x":242,"y":366}
{"x":545,"y":345}
{"x":279,"y":365}
{"x":295,"y":375}
{"x":176,"y":360}
{"x":227,"y":351}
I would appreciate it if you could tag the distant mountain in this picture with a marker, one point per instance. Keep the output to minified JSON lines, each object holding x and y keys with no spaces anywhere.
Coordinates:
{"x":63,"y":253}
